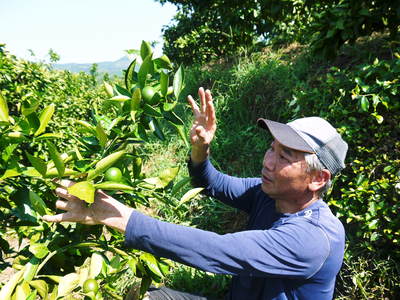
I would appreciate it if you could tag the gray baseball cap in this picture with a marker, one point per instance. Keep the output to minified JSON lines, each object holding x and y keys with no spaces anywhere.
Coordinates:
{"x":311,"y":135}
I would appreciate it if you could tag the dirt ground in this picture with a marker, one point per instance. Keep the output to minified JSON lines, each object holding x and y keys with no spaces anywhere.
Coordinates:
{"x":8,"y":272}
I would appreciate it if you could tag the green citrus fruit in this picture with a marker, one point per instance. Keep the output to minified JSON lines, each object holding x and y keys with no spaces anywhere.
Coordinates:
{"x":90,"y":285}
{"x":148,"y":94}
{"x":113,"y":174}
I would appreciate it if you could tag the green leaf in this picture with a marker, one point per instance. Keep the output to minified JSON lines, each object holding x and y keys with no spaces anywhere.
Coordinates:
{"x":119,"y":98}
{"x":22,"y":291}
{"x":364,"y":103}
{"x":84,"y":190}
{"x":151,"y":111}
{"x":31,"y":268}
{"x":39,"y":164}
{"x":67,"y":284}
{"x":111,"y":185}
{"x":96,"y":264}
{"x":163,"y":62}
{"x":28,"y":108}
{"x":129,"y":75}
{"x":44,"y":118}
{"x":178,"y":83}
{"x":179,"y":185}
{"x":48,"y":136}
{"x":135,"y":103}
{"x":37,"y":203}
{"x":7,"y":290}
{"x":56,"y":158}
{"x":189,"y":195}
{"x":4,"y":117}
{"x":41,"y":286}
{"x":167,"y":175}
{"x":105,"y":163}
{"x":10,"y":173}
{"x":147,"y":67}
{"x":173,"y":117}
{"x":109,"y":89}
{"x":387,"y":169}
{"x":39,"y":250}
{"x":151,"y":262}
{"x":168,"y":106}
{"x":181,"y":131}
{"x":101,"y":135}
{"x":145,"y":50}
{"x":156,"y":129}
{"x":164,"y":82}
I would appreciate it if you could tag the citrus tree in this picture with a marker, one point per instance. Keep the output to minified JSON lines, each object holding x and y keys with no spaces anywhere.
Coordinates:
{"x":99,"y":151}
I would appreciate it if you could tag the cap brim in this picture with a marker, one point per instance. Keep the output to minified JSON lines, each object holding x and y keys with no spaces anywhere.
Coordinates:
{"x":285,"y":135}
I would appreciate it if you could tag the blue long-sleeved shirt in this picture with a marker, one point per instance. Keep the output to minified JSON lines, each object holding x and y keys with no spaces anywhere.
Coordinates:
{"x":279,"y":256}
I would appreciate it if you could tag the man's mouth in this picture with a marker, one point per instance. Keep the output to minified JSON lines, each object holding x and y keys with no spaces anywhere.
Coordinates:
{"x":266,"y":179}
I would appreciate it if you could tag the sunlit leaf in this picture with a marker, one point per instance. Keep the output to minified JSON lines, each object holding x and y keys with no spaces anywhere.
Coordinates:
{"x":41,"y":286}
{"x":84,"y":190}
{"x":22,"y":291}
{"x":147,"y":67}
{"x":109,"y":89}
{"x":151,"y":263}
{"x":189,"y":195}
{"x":7,"y":290}
{"x":4,"y":117}
{"x":96,"y":264}
{"x":56,"y":158}
{"x":164,"y":82}
{"x":39,"y":250}
{"x":105,"y":163}
{"x":110,"y":185}
{"x":163,"y":62}
{"x":44,"y":118}
{"x":178,"y":82}
{"x":129,"y":75}
{"x":145,"y":50}
{"x":67,"y":284}
{"x":101,"y":135}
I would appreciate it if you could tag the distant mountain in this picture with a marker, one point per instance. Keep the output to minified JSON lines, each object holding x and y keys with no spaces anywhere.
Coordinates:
{"x":110,"y":67}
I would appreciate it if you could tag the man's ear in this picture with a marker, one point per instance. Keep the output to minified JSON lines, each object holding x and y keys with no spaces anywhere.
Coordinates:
{"x":318,"y":180}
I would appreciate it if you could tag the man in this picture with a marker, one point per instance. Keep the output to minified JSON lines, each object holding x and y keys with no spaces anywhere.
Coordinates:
{"x":293,"y":246}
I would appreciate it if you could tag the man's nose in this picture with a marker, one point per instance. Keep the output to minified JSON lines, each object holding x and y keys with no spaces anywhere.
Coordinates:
{"x":269,"y":160}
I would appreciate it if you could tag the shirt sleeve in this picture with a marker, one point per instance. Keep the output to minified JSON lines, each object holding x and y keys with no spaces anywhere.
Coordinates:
{"x":292,"y":250}
{"x":234,"y":191}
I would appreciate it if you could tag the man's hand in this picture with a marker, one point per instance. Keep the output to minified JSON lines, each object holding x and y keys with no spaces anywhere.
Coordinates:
{"x":204,"y":126}
{"x":104,"y":210}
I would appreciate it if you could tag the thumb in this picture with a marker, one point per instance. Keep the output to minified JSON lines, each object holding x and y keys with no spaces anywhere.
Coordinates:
{"x":201,"y":132}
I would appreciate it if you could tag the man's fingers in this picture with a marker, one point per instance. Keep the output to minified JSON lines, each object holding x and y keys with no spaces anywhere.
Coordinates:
{"x":202,"y":97}
{"x":64,"y":182}
{"x":194,"y":106}
{"x":63,"y":193}
{"x":55,"y":219}
{"x":62,"y":204}
{"x":211,"y":119}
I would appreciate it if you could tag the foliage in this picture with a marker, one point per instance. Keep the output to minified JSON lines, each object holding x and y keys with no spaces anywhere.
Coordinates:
{"x":94,"y":141}
{"x":216,"y":28}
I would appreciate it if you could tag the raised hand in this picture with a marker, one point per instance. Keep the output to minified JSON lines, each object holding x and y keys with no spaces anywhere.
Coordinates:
{"x":104,"y":210}
{"x":204,"y":125}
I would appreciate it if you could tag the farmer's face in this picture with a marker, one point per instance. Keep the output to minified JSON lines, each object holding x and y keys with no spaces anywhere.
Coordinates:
{"x":284,"y":173}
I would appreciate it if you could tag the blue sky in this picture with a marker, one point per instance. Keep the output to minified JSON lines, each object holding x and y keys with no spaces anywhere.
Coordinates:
{"x":82,"y":31}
